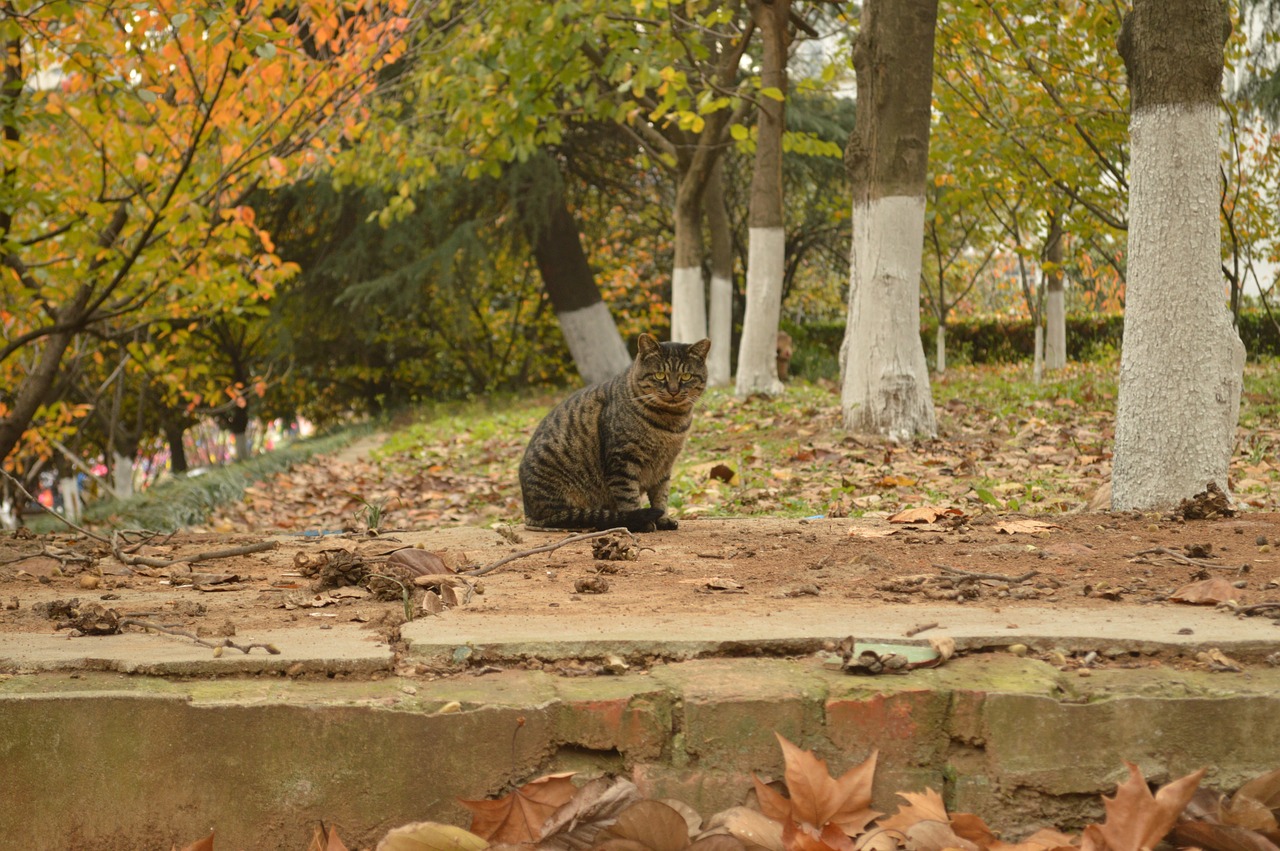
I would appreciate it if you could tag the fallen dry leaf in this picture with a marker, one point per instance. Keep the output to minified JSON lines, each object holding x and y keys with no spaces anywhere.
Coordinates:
{"x":592,"y":808}
{"x":1136,"y":819}
{"x":326,"y":839}
{"x":924,"y":514}
{"x":652,"y":824}
{"x":431,"y":836}
{"x":1025,"y":525}
{"x":519,"y":816}
{"x":1206,"y":592}
{"x":920,"y":806}
{"x":205,"y":844}
{"x":818,"y":800}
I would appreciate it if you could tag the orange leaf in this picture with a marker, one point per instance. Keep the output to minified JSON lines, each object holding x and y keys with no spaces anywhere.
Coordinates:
{"x":818,"y":800}
{"x":326,"y":839}
{"x":920,"y":806}
{"x":1135,"y":818}
{"x":519,"y":817}
{"x":205,"y":844}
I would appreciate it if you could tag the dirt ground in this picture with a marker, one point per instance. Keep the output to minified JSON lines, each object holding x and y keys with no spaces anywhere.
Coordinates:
{"x":756,"y":566}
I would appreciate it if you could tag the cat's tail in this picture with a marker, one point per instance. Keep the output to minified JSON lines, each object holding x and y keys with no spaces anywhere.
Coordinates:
{"x":597,"y":519}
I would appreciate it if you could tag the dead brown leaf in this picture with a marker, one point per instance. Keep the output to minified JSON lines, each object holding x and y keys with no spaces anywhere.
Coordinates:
{"x":1135,"y":818}
{"x":924,"y":514}
{"x":205,"y":844}
{"x":1206,"y":592}
{"x":326,"y":839}
{"x":419,"y":562}
{"x":1025,"y":525}
{"x":920,"y":806}
{"x":519,"y":816}
{"x":652,"y":824}
{"x":816,"y":798}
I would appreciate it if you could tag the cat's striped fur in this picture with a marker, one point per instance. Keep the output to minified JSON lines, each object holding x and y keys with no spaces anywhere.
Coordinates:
{"x":599,"y":451}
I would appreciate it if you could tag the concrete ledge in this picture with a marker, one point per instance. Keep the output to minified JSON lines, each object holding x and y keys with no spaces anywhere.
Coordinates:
{"x":482,"y":637}
{"x":97,"y":760}
{"x":338,"y":650}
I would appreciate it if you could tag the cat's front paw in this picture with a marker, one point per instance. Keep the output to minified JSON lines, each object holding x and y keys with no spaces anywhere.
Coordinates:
{"x":667,"y":524}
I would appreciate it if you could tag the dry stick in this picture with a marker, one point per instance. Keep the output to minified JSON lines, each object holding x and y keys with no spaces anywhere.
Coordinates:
{"x":572,"y":539}
{"x":226,"y":642}
{"x":1184,"y":559}
{"x":916,"y":630}
{"x":146,"y":561}
{"x":17,"y":484}
{"x":995,"y":576}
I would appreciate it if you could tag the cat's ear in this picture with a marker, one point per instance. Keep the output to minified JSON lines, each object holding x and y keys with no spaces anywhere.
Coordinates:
{"x":647,"y":344}
{"x":700,"y":349}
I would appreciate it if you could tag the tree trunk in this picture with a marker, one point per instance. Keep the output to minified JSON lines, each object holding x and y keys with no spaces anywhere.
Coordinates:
{"x":1182,"y":362}
{"x":177,"y":450}
{"x":885,"y":379}
{"x":121,"y":475}
{"x":597,"y":347}
{"x":31,"y":392}
{"x":1055,"y":313}
{"x":766,"y":252}
{"x":688,"y":294}
{"x":721,"y":322}
{"x":940,"y":349}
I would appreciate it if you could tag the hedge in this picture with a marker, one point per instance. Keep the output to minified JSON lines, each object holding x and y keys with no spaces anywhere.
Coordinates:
{"x":990,"y":339}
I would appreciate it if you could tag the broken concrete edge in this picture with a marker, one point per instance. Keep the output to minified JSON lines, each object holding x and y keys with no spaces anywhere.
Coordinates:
{"x":639,"y":651}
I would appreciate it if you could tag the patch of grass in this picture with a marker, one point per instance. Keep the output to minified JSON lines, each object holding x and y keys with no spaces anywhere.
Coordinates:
{"x":185,"y":501}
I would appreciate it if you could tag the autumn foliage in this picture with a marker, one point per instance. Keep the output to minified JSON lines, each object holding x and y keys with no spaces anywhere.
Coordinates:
{"x":135,"y":136}
{"x":813,"y":811}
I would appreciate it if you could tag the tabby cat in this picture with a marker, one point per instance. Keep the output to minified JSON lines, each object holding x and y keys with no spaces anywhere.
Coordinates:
{"x":590,"y":460}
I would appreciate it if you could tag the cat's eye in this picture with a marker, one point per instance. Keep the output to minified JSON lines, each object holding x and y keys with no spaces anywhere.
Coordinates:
{"x":686,"y":376}
{"x":660,"y":376}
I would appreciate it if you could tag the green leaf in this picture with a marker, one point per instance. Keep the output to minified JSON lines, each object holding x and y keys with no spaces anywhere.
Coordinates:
{"x":773,"y":92}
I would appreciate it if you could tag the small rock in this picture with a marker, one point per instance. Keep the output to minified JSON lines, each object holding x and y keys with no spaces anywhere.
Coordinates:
{"x":1018,"y":649}
{"x":450,"y":708}
{"x":89,"y":581}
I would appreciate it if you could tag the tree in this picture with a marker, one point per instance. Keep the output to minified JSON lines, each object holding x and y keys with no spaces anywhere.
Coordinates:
{"x":757,"y":362}
{"x":1182,"y":363}
{"x":135,"y":134}
{"x":885,"y":381}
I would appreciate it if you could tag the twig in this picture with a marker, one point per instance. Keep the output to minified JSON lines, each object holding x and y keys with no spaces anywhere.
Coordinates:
{"x":572,"y":539}
{"x":147,"y":561}
{"x":1253,"y":608}
{"x":226,"y":642}
{"x":1184,"y":559}
{"x":17,"y":484}
{"x":916,"y":630}
{"x":994,"y":576}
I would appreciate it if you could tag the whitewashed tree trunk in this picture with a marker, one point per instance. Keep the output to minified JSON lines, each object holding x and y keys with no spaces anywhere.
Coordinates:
{"x":884,"y":376}
{"x":758,"y":349}
{"x":720,"y":330}
{"x":885,"y":385}
{"x":1182,"y":362}
{"x":720,"y":313}
{"x":688,"y":305}
{"x":1055,"y":317}
{"x":122,"y":475}
{"x":766,"y":253}
{"x":940,"y":349}
{"x":1037,"y":356}
{"x":594,"y":342}
{"x":70,"y":490}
